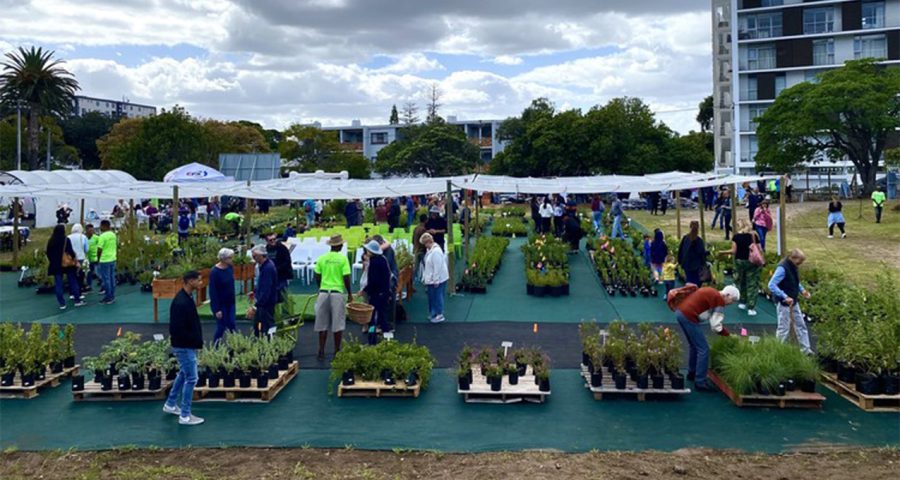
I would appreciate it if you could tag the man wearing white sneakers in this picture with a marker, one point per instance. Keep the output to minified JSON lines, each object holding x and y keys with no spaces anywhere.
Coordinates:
{"x":434,"y":276}
{"x":186,"y":336}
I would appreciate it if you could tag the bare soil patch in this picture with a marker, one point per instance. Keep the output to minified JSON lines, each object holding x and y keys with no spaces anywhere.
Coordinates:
{"x":250,"y":463}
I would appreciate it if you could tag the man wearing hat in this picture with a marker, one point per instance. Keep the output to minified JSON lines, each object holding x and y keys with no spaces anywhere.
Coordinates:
{"x":332,"y":274}
{"x":437,"y":226}
{"x":378,"y":286}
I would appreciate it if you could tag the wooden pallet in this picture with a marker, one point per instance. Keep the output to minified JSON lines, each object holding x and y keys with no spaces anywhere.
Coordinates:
{"x":608,"y":387}
{"x":93,"y":393}
{"x":795,"y":399}
{"x":869,"y":403}
{"x":524,"y":391}
{"x":252,"y":394}
{"x":378,"y":390}
{"x":16,"y":390}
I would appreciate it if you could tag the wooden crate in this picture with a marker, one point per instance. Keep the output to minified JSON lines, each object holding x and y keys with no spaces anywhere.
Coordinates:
{"x":379,"y":390}
{"x":524,"y":391}
{"x":16,"y":390}
{"x":869,"y":403}
{"x":92,"y":392}
{"x":795,"y":399}
{"x":608,"y":387}
{"x":252,"y":394}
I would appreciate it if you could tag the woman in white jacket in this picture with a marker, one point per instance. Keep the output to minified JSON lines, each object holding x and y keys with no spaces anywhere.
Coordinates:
{"x":434,"y":276}
{"x":80,"y":245}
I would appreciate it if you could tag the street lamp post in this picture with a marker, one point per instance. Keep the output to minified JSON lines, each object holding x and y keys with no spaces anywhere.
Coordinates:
{"x":18,"y":134}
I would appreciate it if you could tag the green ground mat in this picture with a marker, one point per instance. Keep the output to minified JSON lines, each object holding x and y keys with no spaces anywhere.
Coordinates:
{"x":304,"y":415}
{"x":300,"y":304}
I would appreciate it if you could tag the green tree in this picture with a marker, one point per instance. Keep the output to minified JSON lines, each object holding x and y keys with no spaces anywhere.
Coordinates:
{"x":435,"y":149}
{"x":311,"y":148}
{"x":692,"y":152}
{"x":395,"y":116}
{"x":82,"y":132}
{"x":848,"y":114}
{"x":705,"y":115}
{"x":892,"y":157}
{"x":272,"y":136}
{"x":36,"y":79}
{"x":61,"y":154}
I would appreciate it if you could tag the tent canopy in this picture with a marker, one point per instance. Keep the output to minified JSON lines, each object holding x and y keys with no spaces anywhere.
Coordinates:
{"x":194,"y":172}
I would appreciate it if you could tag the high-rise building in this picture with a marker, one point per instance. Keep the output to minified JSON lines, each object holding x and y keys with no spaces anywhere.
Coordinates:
{"x":761,"y":47}
{"x":117,"y":108}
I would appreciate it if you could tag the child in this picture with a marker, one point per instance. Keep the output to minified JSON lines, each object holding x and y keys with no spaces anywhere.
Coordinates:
{"x":668,"y":275}
{"x":647,"y":250}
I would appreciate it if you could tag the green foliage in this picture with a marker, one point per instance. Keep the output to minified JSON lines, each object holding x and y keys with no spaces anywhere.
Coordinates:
{"x":849,"y":113}
{"x":622,"y":137}
{"x":745,"y":366}
{"x":83,"y":131}
{"x":706,"y":114}
{"x":367,"y":362}
{"x":434,"y":149}
{"x":508,"y":227}
{"x":546,"y":261}
{"x":484,"y":260}
{"x":620,"y":264}
{"x":316,"y":149}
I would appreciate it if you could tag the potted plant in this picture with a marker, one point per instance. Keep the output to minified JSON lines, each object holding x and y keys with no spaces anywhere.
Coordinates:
{"x":542,"y":375}
{"x":464,"y":375}
{"x":595,"y":353}
{"x":494,"y":376}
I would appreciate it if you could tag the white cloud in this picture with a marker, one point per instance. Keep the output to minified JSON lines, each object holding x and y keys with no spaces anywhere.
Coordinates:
{"x":507,"y":60}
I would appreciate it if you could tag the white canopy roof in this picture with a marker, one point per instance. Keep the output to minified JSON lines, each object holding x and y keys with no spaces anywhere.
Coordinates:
{"x":194,"y":172}
{"x":93,"y":184}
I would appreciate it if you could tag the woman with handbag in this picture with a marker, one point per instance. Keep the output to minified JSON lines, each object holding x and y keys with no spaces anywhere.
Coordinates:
{"x":62,"y":261}
{"x":762,"y":222}
{"x":748,"y":261}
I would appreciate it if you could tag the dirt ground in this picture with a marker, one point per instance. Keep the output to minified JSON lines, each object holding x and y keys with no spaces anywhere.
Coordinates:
{"x":309,"y":463}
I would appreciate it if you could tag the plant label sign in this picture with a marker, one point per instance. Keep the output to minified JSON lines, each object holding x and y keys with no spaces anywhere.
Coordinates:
{"x":388,"y":335}
{"x":158,"y":337}
{"x":272,"y":331}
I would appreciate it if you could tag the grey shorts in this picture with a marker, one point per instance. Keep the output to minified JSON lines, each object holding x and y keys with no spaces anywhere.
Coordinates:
{"x":331,"y":312}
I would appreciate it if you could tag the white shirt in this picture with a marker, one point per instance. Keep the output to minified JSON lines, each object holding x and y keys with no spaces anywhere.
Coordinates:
{"x":546,"y":211}
{"x":435,"y":266}
{"x":80,"y":245}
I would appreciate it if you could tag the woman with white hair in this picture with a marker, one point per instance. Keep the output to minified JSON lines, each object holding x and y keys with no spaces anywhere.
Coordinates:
{"x":80,"y":245}
{"x":221,"y":293}
{"x":434,"y":276}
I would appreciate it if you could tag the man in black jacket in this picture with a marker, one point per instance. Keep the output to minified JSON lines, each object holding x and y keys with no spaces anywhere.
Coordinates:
{"x":186,"y":336}
{"x":281,"y":257}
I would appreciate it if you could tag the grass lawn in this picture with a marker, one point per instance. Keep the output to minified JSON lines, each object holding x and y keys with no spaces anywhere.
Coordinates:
{"x":39,"y":236}
{"x":242,"y":305}
{"x":867,"y":248}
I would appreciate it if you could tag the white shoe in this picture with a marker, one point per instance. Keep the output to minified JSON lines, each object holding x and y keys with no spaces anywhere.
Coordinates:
{"x":176,"y":410}
{"x":438,"y":319}
{"x":751,"y":312}
{"x":191,"y":420}
{"x":742,"y":306}
{"x":62,"y":307}
{"x":843,"y":235}
{"x":831,"y":236}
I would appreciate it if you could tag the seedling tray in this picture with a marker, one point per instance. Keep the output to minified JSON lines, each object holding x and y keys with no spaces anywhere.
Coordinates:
{"x":869,"y":403}
{"x":93,"y":393}
{"x":252,"y":394}
{"x":524,"y":391}
{"x":795,"y":399}
{"x":608,"y":388}
{"x":16,"y":390}
{"x":378,"y":390}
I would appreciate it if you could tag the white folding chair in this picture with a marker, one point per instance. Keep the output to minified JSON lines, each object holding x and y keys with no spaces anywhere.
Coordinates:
{"x":357,"y":265}
{"x":299,"y":261}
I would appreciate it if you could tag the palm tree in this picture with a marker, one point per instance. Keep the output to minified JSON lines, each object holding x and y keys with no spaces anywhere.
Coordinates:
{"x":36,"y":79}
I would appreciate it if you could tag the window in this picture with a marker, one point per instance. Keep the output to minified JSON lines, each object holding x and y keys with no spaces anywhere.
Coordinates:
{"x":812,"y":76}
{"x":752,"y":91}
{"x":823,"y":51}
{"x":780,"y":83}
{"x":760,"y":56}
{"x":818,"y":20}
{"x":762,"y":25}
{"x":754,"y":111}
{"x":873,"y":15}
{"x":754,"y":147}
{"x":870,"y":46}
{"x":771,"y":3}
{"x":379,"y":138}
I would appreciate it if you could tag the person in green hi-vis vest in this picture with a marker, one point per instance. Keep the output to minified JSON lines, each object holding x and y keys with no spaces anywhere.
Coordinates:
{"x":878,"y":198}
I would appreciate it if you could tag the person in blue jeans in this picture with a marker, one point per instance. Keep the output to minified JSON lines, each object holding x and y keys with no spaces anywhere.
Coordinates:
{"x":186,"y":336}
{"x":597,"y":209}
{"x":59,"y":246}
{"x":221,"y":293}
{"x":704,"y":304}
{"x":435,"y":277}
{"x":617,"y":212}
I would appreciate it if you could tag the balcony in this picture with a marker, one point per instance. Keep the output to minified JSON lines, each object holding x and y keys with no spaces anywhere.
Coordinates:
{"x":483,"y":142}
{"x":352,"y":146}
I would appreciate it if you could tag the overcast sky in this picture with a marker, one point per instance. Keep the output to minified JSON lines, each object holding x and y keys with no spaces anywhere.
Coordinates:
{"x":284,"y":61}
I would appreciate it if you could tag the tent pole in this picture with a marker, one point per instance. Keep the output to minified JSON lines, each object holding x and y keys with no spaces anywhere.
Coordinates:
{"x":734,"y":209}
{"x":15,"y":259}
{"x":81,"y":217}
{"x":702,"y":207}
{"x":678,"y":213}
{"x":175,"y":205}
{"x":782,"y":216}
{"x":477,"y":221}
{"x":451,"y":287}
{"x":466,"y":227}
{"x":132,"y":222}
{"x":248,"y":214}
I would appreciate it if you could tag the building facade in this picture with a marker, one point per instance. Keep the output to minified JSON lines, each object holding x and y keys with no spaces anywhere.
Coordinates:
{"x":761,"y":47}
{"x":117,"y":108}
{"x":370,"y":139}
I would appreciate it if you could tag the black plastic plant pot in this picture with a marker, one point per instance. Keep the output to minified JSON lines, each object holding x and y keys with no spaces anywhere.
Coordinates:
{"x":112,"y":370}
{"x":555,"y":291}
{"x":137,"y":381}
{"x":828,"y":364}
{"x":846,"y":373}
{"x":98,"y":374}
{"x":529,"y":289}
{"x":677,"y":381}
{"x":585,"y":359}
{"x":611,"y":292}
{"x":780,"y":390}
{"x":790,"y":385}
{"x":228,"y":380}
{"x":496,"y":383}
{"x":40,"y":373}
{"x":597,"y":379}
{"x":514,"y":378}
{"x":56,"y":367}
{"x":565,"y":290}
{"x":643,"y":381}
{"x":808,"y":386}
{"x":154,"y":383}
{"x":347,"y":378}
{"x":124,"y":382}
{"x":262,"y":381}
{"x":620,"y":379}
{"x":106,"y":382}
{"x":7,"y":379}
{"x":540,"y":291}
{"x":763,"y":390}
{"x":464,"y":382}
{"x":653,"y":292}
{"x":69,"y":362}
{"x":283,"y":362}
{"x":171,"y":374}
{"x":521,"y":368}
{"x":77,"y":383}
{"x":290,"y":357}
{"x":213,"y":380}
{"x":254,"y":372}
{"x":273,"y":372}
{"x":244,"y":380}
{"x":412,"y":379}
{"x":658,"y":381}
{"x":544,"y":385}
{"x":868,"y":384}
{"x":202,"y":378}
{"x":890,"y":384}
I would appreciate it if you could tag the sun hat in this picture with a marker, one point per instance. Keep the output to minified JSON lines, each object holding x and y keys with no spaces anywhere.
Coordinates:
{"x":373,"y":247}
{"x":336,"y":240}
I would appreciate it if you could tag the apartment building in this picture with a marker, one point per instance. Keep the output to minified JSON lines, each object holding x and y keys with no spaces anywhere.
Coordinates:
{"x":761,"y":47}
{"x":117,"y":108}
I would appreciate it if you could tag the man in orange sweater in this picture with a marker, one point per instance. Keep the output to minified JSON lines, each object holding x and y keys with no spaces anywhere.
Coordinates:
{"x":706,"y":304}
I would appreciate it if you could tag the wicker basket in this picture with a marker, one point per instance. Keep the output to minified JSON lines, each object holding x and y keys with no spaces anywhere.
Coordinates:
{"x":360,"y":313}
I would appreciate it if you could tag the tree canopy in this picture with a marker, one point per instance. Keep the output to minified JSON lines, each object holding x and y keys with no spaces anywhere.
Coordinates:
{"x":434,"y":149}
{"x":315,"y":149}
{"x":849,"y":114}
{"x":621,"y":137}
{"x":706,"y":114}
{"x":82,"y":132}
